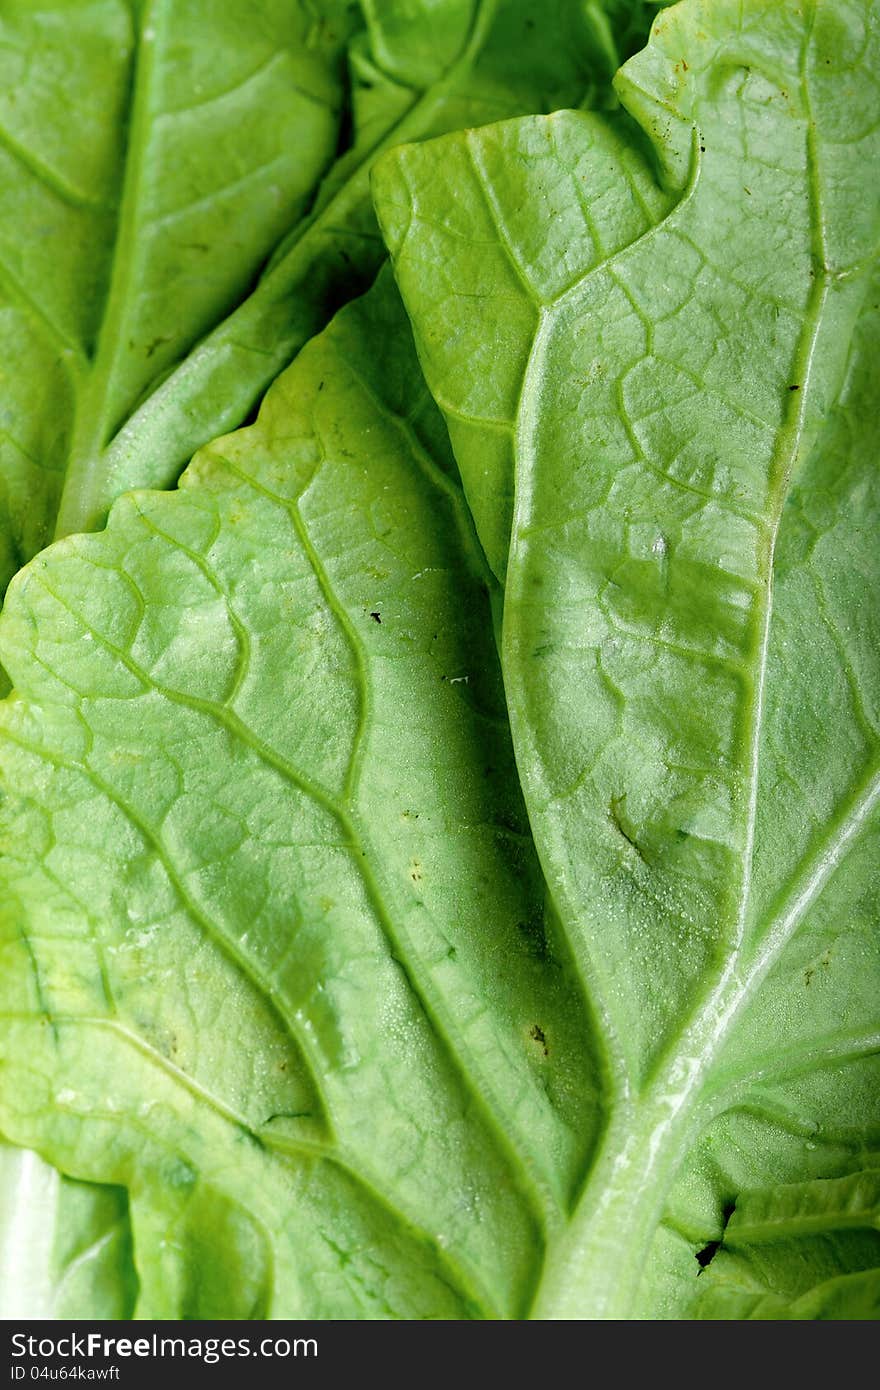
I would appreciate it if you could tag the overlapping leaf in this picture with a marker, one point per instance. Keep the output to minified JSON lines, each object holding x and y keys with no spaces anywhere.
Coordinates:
{"x":277,"y":958}
{"x":274,"y":942}
{"x":137,"y":224}
{"x":485,"y":59}
{"x":805,"y":1252}
{"x":65,"y":1247}
{"x":143,"y":113}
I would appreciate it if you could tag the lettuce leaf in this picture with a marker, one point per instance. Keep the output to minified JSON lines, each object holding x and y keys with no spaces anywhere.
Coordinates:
{"x":150,"y":159}
{"x":114,"y":407}
{"x":635,"y":379}
{"x":132,"y":331}
{"x":65,"y":1247}
{"x":365,"y":970}
{"x":274,"y":940}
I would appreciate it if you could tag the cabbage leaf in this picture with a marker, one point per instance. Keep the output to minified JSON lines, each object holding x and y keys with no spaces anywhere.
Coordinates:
{"x":150,"y":158}
{"x":438,"y":838}
{"x":638,"y":339}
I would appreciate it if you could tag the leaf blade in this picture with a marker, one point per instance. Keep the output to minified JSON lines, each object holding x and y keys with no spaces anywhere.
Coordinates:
{"x":656,"y":414}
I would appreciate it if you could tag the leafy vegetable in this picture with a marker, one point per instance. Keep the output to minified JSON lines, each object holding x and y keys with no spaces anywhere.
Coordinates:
{"x":633,"y":383}
{"x":194,"y":145}
{"x":339,"y":865}
{"x":807,"y":1251}
{"x":150,"y":159}
{"x":475,"y":73}
{"x":66,"y":1246}
{"x":356,"y":968}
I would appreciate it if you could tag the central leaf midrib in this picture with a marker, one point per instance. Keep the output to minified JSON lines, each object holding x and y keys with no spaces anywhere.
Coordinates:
{"x":700,"y":1039}
{"x":781,"y":468}
{"x":523,"y":426}
{"x":91,"y":428}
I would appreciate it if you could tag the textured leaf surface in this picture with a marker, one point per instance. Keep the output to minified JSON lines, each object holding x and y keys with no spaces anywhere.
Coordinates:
{"x":65,"y":1247}
{"x":809,"y":1251}
{"x":274,"y":955}
{"x":420,"y":69}
{"x":277,"y":955}
{"x":148,"y":258}
{"x":636,"y":345}
{"x":150,"y":158}
{"x":803,"y":1103}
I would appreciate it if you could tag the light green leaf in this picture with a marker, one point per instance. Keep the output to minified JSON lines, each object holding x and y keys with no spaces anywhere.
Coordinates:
{"x":277,"y":956}
{"x":803,"y":1103}
{"x":274,"y":951}
{"x":65,"y":1247}
{"x":486,"y":59}
{"x":135,"y":229}
{"x":150,"y":158}
{"x":636,"y":343}
{"x":613,"y":30}
{"x":808,"y":1251}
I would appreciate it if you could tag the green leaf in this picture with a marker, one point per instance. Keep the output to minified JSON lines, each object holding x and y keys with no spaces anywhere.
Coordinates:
{"x":278,"y":957}
{"x":613,"y":29}
{"x":274,"y":949}
{"x":636,"y":336}
{"x":808,"y":1251}
{"x":150,"y":158}
{"x":65,"y":1247}
{"x":486,"y":59}
{"x":802,"y":1103}
{"x":128,"y":337}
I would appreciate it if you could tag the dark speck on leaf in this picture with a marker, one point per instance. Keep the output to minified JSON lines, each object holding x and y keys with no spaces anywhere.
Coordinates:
{"x":705,"y":1256}
{"x":539,"y":1036}
{"x":377,"y":617}
{"x":794,"y":388}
